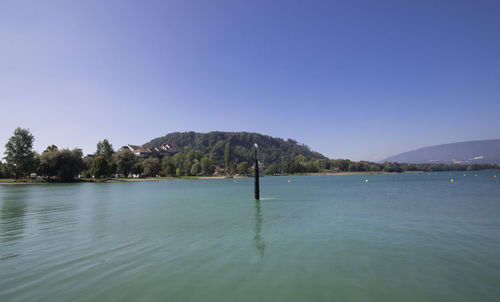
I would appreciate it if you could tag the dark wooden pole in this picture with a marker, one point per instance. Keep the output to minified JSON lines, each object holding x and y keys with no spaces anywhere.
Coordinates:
{"x":256,"y":173}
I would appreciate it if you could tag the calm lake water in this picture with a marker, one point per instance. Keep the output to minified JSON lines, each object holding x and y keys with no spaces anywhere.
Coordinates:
{"x":405,"y":237}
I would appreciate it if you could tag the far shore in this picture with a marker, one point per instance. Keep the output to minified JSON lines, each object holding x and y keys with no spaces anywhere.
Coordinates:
{"x":8,"y":182}
{"x":352,"y":173}
{"x":4,"y":182}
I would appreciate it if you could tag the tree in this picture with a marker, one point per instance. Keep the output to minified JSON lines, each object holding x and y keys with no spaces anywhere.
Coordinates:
{"x":71,"y":164}
{"x":392,"y":167}
{"x":99,"y":166}
{"x":195,"y":168}
{"x":49,"y":165}
{"x":125,"y":162}
{"x":105,"y":149}
{"x":339,"y":164}
{"x":87,"y":163}
{"x":299,"y":164}
{"x":167,"y":166}
{"x":227,"y":156}
{"x":152,"y":166}
{"x":4,"y":169}
{"x":20,"y":157}
{"x":138,"y":167}
{"x":186,"y":167}
{"x":242,"y":168}
{"x":273,"y":168}
{"x":322,"y":164}
{"x":286,"y":167}
{"x":191,"y":156}
{"x":207,"y":168}
{"x":50,"y":148}
{"x":63,"y":164}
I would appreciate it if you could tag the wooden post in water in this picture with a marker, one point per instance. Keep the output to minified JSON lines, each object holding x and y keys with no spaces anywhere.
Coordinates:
{"x":256,"y":172}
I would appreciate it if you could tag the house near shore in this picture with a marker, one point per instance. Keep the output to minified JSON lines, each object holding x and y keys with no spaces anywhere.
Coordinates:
{"x":154,"y":151}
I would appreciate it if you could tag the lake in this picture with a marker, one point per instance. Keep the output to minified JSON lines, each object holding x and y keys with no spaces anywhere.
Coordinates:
{"x":397,"y":237}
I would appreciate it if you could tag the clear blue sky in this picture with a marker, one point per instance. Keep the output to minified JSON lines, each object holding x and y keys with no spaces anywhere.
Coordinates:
{"x":351,"y":79}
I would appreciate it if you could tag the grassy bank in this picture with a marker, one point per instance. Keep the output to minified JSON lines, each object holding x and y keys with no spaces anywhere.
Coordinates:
{"x":6,"y":180}
{"x":21,"y":181}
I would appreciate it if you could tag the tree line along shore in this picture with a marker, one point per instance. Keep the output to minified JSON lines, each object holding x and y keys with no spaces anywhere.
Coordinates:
{"x":21,"y":162}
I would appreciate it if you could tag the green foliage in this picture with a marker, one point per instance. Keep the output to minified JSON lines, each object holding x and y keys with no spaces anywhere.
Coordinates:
{"x":5,"y":171}
{"x":152,"y":166}
{"x":195,"y":168}
{"x":167,"y":166}
{"x":50,"y":148}
{"x":187,"y":163}
{"x":339,"y":164}
{"x":227,"y":155}
{"x":228,"y":149}
{"x":49,"y":161}
{"x":202,"y":155}
{"x":126,"y":162}
{"x":99,"y":167}
{"x":241,"y":144}
{"x":87,"y":163}
{"x":207,"y":167}
{"x":138,"y":167}
{"x":242,"y":168}
{"x":105,"y":149}
{"x":392,"y":167}
{"x":186,"y":167}
{"x":273,"y":169}
{"x":19,"y":155}
{"x":63,"y":164}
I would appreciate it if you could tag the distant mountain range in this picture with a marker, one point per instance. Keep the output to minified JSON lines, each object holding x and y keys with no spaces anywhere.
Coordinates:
{"x":471,"y":152}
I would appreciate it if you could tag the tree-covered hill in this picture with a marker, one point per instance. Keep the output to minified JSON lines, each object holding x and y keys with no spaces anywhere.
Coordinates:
{"x":271,"y":149}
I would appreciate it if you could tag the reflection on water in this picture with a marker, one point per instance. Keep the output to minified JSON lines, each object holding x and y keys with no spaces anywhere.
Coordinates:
{"x":12,"y":213}
{"x":259,"y":244}
{"x":99,"y":208}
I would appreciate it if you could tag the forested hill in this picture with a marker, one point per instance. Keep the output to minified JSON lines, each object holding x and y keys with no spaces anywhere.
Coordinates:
{"x":271,"y":149}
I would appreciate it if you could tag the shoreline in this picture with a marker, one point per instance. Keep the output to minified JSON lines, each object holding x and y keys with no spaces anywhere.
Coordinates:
{"x":12,"y":182}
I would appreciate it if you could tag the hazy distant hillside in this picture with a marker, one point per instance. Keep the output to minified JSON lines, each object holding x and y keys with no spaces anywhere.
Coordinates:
{"x":271,"y":149}
{"x":472,"y":152}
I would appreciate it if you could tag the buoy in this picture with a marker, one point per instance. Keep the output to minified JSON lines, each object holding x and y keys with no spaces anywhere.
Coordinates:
{"x":366,"y":180}
{"x":464,"y":174}
{"x":234,"y":180}
{"x":494,"y":176}
{"x":451,"y":180}
{"x":475,"y":174}
{"x":289,"y":181}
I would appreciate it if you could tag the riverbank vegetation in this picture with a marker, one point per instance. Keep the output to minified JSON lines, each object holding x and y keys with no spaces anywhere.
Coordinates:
{"x":214,"y":157}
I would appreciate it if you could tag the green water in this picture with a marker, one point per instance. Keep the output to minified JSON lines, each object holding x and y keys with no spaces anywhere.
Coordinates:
{"x":406,"y":237}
